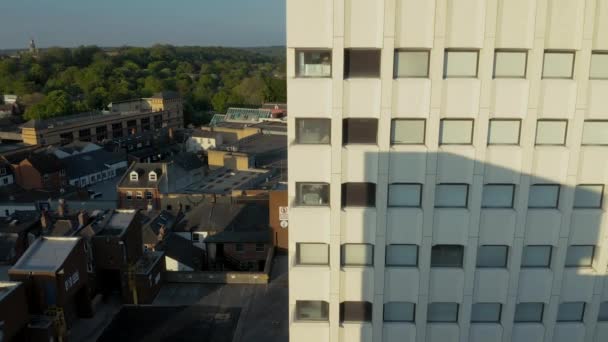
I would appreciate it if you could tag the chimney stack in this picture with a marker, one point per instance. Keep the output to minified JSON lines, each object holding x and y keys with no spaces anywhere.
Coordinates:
{"x":45,"y":220}
{"x":62,"y":208}
{"x":83,"y":218}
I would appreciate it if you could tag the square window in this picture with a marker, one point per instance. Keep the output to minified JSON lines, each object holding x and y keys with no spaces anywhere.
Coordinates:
{"x":588,"y":196}
{"x":399,"y":312}
{"x":355,"y":312}
{"x":357,"y":254}
{"x":129,"y":195}
{"x":510,"y":64}
{"x":313,"y":63}
{"x":486,"y":312}
{"x":603,"y":314}
{"x":442,"y":313}
{"x":312,"y":194}
{"x":408,"y":131}
{"x":402,"y":255}
{"x":358,"y":195}
{"x":259,"y":247}
{"x":595,"y":133}
{"x":139,"y":195}
{"x":148,"y":195}
{"x":411,"y":63}
{"x":312,"y":310}
{"x":504,"y":132}
{"x":312,"y":254}
{"x":451,"y":195}
{"x":529,"y":313}
{"x":456,"y":132}
{"x":492,"y":256}
{"x":239,"y":247}
{"x":558,"y":64}
{"x":498,"y":196}
{"x":543,"y":196}
{"x":460,"y":63}
{"x":551,"y":132}
{"x":362,"y":63}
{"x":359,"y":131}
{"x":580,"y":256}
{"x":447,"y":256}
{"x":313,"y":131}
{"x":536,"y":256}
{"x":599,"y":65}
{"x":571,"y":312}
{"x":404,"y":195}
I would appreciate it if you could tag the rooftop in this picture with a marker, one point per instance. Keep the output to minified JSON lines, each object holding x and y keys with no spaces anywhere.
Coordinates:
{"x":147,"y":261}
{"x":238,"y":217}
{"x":223,"y":181}
{"x":46,"y":254}
{"x":91,"y":162}
{"x":118,"y":222}
{"x":143,"y":180}
{"x":257,"y":144}
{"x":19,"y":221}
{"x":6,"y":287}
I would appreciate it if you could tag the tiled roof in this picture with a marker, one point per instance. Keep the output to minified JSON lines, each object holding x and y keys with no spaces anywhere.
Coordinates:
{"x":143,"y":171}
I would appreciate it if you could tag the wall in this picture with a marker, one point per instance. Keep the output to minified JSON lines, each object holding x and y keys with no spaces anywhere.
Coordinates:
{"x":13,"y":312}
{"x":278,"y":198}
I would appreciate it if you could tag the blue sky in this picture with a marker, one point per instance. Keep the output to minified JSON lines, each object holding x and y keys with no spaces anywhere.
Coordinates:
{"x":142,"y":22}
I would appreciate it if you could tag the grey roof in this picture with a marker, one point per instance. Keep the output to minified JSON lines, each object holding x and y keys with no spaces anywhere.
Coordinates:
{"x":273,"y":127}
{"x":7,"y":247}
{"x":76,"y":146}
{"x":232,"y":216}
{"x":188,"y":161}
{"x":19,"y":221}
{"x":118,"y":222}
{"x":143,"y":170}
{"x":6,"y":287}
{"x":46,"y":254}
{"x":182,"y":250}
{"x":199,"y":133}
{"x":261,"y":236}
{"x":154,"y":222}
{"x":146,"y":262}
{"x":257,"y":144}
{"x":91,"y":162}
{"x":45,"y":162}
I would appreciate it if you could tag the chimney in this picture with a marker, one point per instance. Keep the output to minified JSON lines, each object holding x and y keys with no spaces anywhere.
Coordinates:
{"x":83,"y":218}
{"x":45,"y":220}
{"x":62,"y":208}
{"x":171,"y":133}
{"x":161,"y":233}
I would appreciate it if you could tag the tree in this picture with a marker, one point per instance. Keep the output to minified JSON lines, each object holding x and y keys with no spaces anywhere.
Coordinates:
{"x":58,"y":103}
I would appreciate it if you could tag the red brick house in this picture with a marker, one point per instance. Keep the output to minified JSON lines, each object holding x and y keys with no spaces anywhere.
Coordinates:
{"x":39,"y":170}
{"x":140,"y":187}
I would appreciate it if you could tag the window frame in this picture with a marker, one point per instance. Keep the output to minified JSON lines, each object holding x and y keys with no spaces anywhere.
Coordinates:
{"x":368,"y":187}
{"x":392,"y":141}
{"x":395,"y":63}
{"x":296,"y":54}
{"x":385,"y":320}
{"x":466,"y":201}
{"x":559,"y":192}
{"x":445,"y":62}
{"x":389,"y":205}
{"x":542,"y":313}
{"x":386,"y":261}
{"x":441,"y":129}
{"x":239,"y":247}
{"x":496,"y":51}
{"x":342,"y":255}
{"x":565,"y":138}
{"x":299,"y":257}
{"x":429,"y":320}
{"x":324,"y":311}
{"x":596,"y":52}
{"x":504,"y":119}
{"x":487,"y":321}
{"x":297,"y":138}
{"x":347,"y":63}
{"x":300,"y":202}
{"x":506,"y":262}
{"x":591,"y":121}
{"x":580,"y":319}
{"x":550,"y":259}
{"x":558,"y":51}
{"x":345,"y":129}
{"x":512,"y":205}
{"x":590,"y":265}
{"x":368,"y":312}
{"x":600,"y":206}
{"x":602,"y":316}
{"x":460,"y":265}
{"x":129,"y":195}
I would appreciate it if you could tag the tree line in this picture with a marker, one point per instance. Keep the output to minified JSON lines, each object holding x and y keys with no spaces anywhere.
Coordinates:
{"x":62,"y":81}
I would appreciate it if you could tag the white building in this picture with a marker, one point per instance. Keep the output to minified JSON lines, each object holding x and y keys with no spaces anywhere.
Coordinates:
{"x":447,"y":163}
{"x":203,"y":140}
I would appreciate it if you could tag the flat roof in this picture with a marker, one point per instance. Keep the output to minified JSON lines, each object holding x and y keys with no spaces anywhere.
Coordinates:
{"x":147,"y":261}
{"x":257,"y":144}
{"x":6,"y":287}
{"x":46,"y":254}
{"x":118,"y":222}
{"x":224,"y":180}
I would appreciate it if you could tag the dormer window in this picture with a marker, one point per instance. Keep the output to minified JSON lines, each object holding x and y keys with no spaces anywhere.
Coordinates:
{"x":152,"y":176}
{"x":133,"y":176}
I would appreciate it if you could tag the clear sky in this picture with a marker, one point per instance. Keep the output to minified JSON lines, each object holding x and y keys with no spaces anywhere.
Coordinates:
{"x":141,"y":22}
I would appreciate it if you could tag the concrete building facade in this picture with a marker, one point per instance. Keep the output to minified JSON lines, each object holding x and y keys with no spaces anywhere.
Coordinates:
{"x":441,"y":155}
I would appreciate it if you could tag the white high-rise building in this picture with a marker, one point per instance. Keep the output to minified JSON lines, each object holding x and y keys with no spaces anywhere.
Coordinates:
{"x":447,"y":164}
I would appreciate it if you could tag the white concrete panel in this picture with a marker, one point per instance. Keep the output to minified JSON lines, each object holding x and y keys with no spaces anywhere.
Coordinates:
{"x":515,"y":23}
{"x":451,"y":226}
{"x":357,"y":12}
{"x":600,"y":36}
{"x":446,"y":285}
{"x":601,"y":332}
{"x":301,"y":170}
{"x":404,"y":225}
{"x":358,"y":225}
{"x":564,"y":24}
{"x":528,"y":332}
{"x":592,"y":165}
{"x":497,"y":227}
{"x":503,"y":164}
{"x":415,"y":23}
{"x":568,"y":332}
{"x":465,"y":23}
{"x":550,"y":164}
{"x":401,"y":284}
{"x":585,"y":227}
{"x":362,"y":98}
{"x":558,"y":99}
{"x":310,"y":97}
{"x":357,"y":284}
{"x":304,"y":289}
{"x":407,"y":164}
{"x":306,"y":332}
{"x":411,"y":97}
{"x":510,"y":98}
{"x":543,"y":227}
{"x":442,"y":332}
{"x":360,"y":332}
{"x":455,"y":164}
{"x":316,"y":221}
{"x":360,"y":163}
{"x":597,"y":102}
{"x":491,"y":285}
{"x":300,"y":30}
{"x":399,"y":332}
{"x":460,"y":98}
{"x":535,"y":285}
{"x":485,"y":332}
{"x":577,"y":285}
